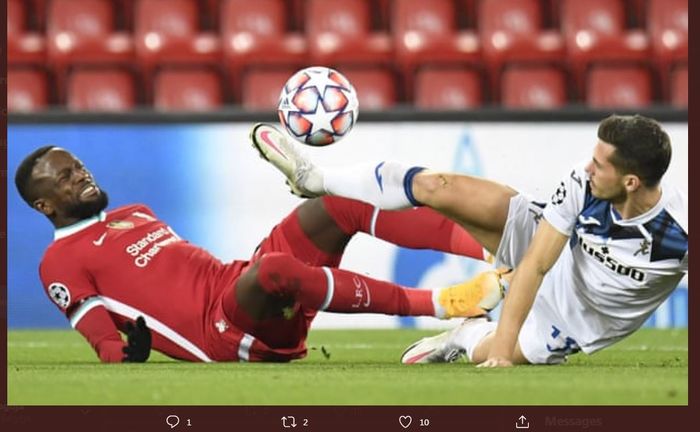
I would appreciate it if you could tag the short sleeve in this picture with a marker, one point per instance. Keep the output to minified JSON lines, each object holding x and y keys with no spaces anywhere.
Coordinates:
{"x":567,"y":201}
{"x":65,"y":280}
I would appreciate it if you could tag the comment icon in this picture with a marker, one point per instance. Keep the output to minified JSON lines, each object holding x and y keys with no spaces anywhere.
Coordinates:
{"x":172,"y":420}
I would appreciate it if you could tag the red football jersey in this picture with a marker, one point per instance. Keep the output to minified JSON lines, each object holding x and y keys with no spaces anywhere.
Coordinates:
{"x":126,"y":263}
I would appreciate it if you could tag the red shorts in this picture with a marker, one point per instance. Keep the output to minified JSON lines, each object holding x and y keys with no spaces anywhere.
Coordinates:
{"x":276,"y":339}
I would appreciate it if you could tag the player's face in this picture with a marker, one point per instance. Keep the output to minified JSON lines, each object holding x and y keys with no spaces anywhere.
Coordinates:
{"x":66,"y":187}
{"x":606,"y":182}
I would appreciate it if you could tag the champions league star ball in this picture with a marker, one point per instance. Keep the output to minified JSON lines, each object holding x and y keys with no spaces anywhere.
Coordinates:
{"x":318,"y":106}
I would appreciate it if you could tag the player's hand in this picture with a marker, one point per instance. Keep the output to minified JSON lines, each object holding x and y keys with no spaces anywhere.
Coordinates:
{"x":495,"y":362}
{"x":138,"y":346}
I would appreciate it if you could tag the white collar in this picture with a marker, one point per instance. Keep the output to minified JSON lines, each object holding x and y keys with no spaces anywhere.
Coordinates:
{"x":78,"y":226}
{"x":644,"y":217}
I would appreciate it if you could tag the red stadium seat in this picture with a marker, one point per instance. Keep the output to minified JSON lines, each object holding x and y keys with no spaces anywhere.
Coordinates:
{"x":512,"y":31}
{"x":375,"y":87}
{"x":425,"y":31}
{"x":210,"y":10}
{"x":261,"y":88}
{"x":187,"y":90}
{"x":167,"y":33}
{"x":668,"y":26}
{"x":23,"y":46}
{"x":381,"y":10}
{"x":466,"y":12}
{"x":83,"y":32}
{"x":533,"y":87}
{"x":38,"y":10}
{"x":595,"y":32}
{"x":448,"y":89}
{"x":619,"y":87}
{"x":295,"y":9}
{"x":637,"y":12}
{"x":125,"y":14}
{"x":16,"y":17}
{"x":27,"y":90}
{"x":255,"y":33}
{"x":679,"y":87}
{"x":339,"y":32}
{"x":109,"y":90}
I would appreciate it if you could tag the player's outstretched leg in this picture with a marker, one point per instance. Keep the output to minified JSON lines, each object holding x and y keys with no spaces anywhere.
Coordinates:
{"x":479,"y":205}
{"x":363,"y":182}
{"x":415,"y":228}
{"x":277,"y":279}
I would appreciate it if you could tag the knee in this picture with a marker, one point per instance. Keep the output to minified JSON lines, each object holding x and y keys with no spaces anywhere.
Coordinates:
{"x":427,"y":184}
{"x":272,"y":269}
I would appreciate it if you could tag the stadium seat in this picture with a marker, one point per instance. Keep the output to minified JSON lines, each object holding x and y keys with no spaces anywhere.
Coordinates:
{"x":626,"y":87}
{"x":255,"y":33}
{"x":512,"y":31}
{"x":27,"y":90}
{"x":533,"y":87}
{"x":295,"y":9}
{"x":637,"y":10}
{"x":209,"y":12}
{"x":447,"y":89}
{"x":668,"y":27}
{"x":107,"y":90}
{"x":381,"y":11}
{"x":125,"y":14}
{"x":23,"y":46}
{"x":466,"y":13}
{"x":37,"y":14}
{"x":595,"y":32}
{"x":187,"y":90}
{"x":425,"y":32}
{"x":339,"y":32}
{"x":167,"y":33}
{"x":679,"y":87}
{"x":83,"y":33}
{"x":376,"y":87}
{"x":261,"y":88}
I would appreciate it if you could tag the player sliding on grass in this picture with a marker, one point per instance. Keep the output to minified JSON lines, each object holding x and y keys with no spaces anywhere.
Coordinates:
{"x":106,"y":269}
{"x":592,"y":264}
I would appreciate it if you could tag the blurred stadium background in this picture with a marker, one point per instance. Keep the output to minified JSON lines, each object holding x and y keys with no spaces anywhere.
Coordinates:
{"x":202,"y":55}
{"x":156,"y":96}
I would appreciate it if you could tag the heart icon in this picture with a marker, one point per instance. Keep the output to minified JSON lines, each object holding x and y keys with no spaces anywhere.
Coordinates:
{"x":405,"y":421}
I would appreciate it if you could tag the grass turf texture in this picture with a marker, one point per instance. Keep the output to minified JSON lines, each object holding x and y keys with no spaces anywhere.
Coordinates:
{"x":58,"y":367}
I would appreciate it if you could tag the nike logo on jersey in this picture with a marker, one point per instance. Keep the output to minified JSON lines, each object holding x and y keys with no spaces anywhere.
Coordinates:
{"x":100,"y":240}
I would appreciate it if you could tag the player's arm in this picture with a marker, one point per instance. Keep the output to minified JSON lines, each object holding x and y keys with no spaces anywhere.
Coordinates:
{"x":69,"y":285}
{"x":92,"y":320}
{"x":543,"y":252}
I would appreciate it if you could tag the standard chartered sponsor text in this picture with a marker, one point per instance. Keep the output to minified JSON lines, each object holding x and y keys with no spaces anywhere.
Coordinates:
{"x":153,"y":242}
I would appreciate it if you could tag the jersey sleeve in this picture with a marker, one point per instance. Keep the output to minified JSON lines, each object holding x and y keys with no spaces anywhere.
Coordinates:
{"x":567,"y":201}
{"x":92,"y":320}
{"x":70,"y":288}
{"x":65,"y":280}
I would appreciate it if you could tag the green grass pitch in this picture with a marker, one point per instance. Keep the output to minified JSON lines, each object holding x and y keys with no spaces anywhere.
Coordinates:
{"x":58,"y":367}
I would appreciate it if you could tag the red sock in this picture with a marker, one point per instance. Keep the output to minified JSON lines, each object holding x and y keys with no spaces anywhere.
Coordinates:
{"x":417,"y":228}
{"x":334,"y":290}
{"x":354,"y":293}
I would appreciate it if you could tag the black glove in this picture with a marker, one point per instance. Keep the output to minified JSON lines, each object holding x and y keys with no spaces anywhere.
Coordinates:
{"x":139,"y":341}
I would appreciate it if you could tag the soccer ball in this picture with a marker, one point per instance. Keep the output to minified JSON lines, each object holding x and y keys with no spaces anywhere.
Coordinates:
{"x":318,"y":106}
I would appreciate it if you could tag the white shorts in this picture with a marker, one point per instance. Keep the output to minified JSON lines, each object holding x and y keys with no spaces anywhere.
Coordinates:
{"x":543,"y":338}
